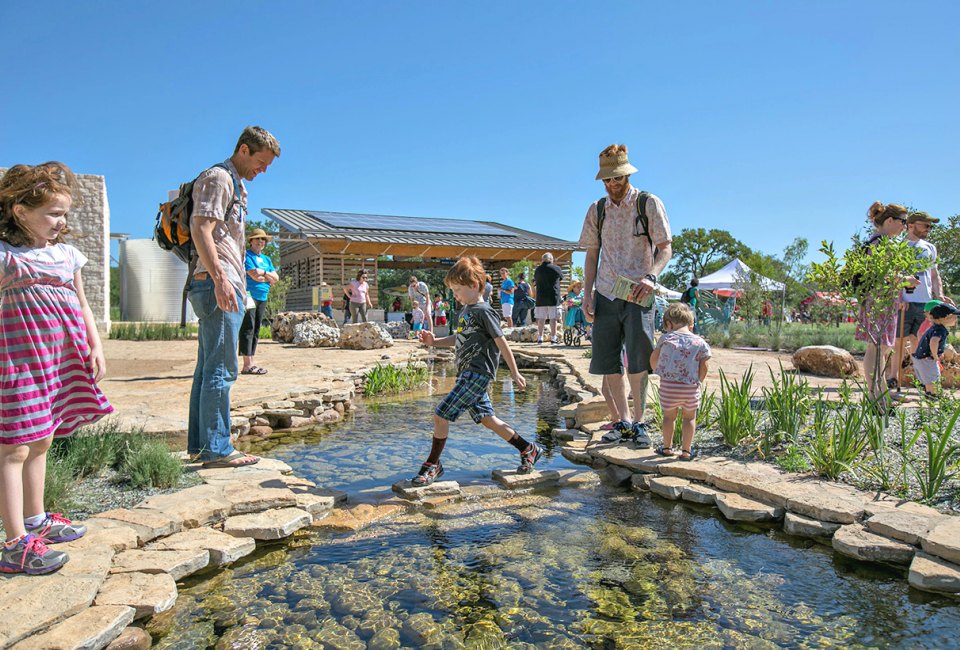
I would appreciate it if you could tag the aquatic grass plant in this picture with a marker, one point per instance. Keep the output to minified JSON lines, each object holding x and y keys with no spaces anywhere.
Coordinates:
{"x":736,"y":418}
{"x":787,"y":402}
{"x":942,"y":462}
{"x":151,"y":331}
{"x":838,"y":439}
{"x":388,"y":378}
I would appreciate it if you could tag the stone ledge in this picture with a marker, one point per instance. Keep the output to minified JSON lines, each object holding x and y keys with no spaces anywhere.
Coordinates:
{"x":148,"y":594}
{"x":696,"y":493}
{"x":271,"y":524}
{"x":943,"y":540}
{"x":94,"y":627}
{"x":934,"y":574}
{"x":669,"y":487}
{"x":900,"y":525}
{"x":193,"y":507}
{"x":223,"y":548}
{"x":149,"y":524}
{"x":854,"y":540}
{"x":739,"y":508}
{"x":509,"y":478}
{"x":61,"y":597}
{"x":408,"y":490}
{"x":801,"y":526}
{"x":178,"y":564}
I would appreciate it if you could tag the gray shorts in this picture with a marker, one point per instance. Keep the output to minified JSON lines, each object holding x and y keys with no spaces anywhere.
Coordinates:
{"x":926,"y":370}
{"x":619,"y":324}
{"x":911,"y":319}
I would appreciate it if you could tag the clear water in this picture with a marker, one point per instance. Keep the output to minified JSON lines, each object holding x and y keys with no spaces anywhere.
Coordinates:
{"x":592,"y":566}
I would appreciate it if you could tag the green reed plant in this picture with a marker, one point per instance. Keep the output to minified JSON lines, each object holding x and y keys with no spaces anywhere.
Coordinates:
{"x":266,"y":332}
{"x":388,"y":378}
{"x":788,"y":402}
{"x":838,"y":440}
{"x":735,"y":417}
{"x":942,"y":462}
{"x":151,"y":331}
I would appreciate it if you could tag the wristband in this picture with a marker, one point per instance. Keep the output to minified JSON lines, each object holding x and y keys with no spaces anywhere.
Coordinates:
{"x":651,"y":277}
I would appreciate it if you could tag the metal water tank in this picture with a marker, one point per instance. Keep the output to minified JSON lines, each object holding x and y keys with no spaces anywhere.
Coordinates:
{"x":151,"y":283}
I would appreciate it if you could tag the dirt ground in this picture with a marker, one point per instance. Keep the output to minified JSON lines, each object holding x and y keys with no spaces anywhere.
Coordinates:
{"x":148,"y":382}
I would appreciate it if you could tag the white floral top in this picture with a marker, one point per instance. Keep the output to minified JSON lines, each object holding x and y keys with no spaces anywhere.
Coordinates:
{"x":680,"y":357}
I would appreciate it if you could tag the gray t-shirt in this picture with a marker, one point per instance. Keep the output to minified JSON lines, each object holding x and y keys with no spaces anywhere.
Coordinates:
{"x":476,"y":328}
{"x":213,"y":192}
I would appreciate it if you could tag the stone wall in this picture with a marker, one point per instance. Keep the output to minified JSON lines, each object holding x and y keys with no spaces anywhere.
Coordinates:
{"x":89,"y":223}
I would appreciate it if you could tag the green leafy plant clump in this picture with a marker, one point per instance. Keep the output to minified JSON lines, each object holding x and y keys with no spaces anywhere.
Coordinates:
{"x":151,"y":331}
{"x":735,"y":416}
{"x":388,"y":378}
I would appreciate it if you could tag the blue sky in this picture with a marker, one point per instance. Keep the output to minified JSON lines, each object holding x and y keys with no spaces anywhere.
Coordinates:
{"x":769,"y":119}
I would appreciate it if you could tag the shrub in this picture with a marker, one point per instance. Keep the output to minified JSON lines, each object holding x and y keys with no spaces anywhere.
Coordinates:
{"x":792,"y":460}
{"x":150,"y":464}
{"x":735,"y":418}
{"x":59,"y":485}
{"x":151,"y":331}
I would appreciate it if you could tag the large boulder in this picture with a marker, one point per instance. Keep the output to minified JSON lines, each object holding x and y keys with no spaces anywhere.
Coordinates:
{"x":825,"y":360}
{"x":365,"y":336}
{"x":315,"y":334}
{"x":526,"y":334}
{"x":284,"y":323}
{"x":399,"y":329}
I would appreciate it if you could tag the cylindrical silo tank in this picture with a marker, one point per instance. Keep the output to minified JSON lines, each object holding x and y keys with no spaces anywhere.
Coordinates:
{"x":152,"y":280}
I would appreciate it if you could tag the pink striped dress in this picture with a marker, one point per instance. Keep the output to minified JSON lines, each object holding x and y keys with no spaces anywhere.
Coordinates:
{"x":46,"y":382}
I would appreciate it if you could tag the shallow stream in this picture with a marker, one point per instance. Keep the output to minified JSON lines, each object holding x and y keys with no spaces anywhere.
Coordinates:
{"x":593,"y":566}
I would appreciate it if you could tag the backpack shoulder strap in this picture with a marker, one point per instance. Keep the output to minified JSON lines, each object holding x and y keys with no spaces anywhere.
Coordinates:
{"x":642,"y":220}
{"x":601,"y":214}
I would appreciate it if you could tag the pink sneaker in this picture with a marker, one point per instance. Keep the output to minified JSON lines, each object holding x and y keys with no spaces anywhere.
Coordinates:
{"x":608,"y":426}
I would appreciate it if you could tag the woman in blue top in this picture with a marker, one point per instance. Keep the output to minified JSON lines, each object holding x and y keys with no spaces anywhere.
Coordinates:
{"x":261,"y":275}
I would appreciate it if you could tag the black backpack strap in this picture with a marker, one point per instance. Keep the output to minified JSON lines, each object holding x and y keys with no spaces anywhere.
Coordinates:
{"x":601,"y":214}
{"x":642,"y":220}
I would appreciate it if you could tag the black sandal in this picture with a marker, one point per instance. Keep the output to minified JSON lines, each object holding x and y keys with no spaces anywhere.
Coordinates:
{"x":690,"y":455}
{"x":664,"y":451}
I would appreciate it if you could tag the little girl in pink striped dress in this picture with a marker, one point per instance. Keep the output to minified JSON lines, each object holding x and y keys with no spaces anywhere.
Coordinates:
{"x":51,"y":358}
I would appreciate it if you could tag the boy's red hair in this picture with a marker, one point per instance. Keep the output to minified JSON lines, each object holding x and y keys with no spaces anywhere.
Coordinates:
{"x":468,"y":272}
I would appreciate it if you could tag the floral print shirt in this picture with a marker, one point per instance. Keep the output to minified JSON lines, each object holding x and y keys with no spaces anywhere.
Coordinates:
{"x":680,"y":357}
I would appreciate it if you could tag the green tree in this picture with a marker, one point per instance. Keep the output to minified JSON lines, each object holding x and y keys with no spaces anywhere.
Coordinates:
{"x":272,"y":249}
{"x":946,"y":237}
{"x":697,"y":252}
{"x":752,"y":294}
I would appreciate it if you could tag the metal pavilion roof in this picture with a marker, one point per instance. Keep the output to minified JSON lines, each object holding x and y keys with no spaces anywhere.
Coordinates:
{"x":310,"y":224}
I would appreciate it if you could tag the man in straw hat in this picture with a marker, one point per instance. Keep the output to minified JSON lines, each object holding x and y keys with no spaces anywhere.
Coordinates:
{"x":217,"y":292}
{"x":632,"y":230}
{"x":261,"y":275}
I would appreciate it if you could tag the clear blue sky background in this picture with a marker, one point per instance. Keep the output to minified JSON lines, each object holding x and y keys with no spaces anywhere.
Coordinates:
{"x":769,"y":119}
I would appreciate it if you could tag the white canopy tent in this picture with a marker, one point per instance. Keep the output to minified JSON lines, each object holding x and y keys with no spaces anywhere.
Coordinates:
{"x":734,"y":272}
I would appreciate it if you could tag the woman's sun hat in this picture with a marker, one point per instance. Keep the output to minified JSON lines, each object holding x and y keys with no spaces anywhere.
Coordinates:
{"x":613,"y":162}
{"x":259,"y":233}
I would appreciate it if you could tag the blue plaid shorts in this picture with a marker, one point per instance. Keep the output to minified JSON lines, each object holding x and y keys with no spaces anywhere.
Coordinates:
{"x":468,"y":394}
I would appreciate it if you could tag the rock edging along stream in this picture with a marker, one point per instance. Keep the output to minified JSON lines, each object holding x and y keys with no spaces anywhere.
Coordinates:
{"x":126,"y":567}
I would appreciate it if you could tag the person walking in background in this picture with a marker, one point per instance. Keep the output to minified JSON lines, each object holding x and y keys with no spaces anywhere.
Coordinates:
{"x":632,"y":230}
{"x":691,"y":296}
{"x":479,"y":344}
{"x":487,"y":289}
{"x":217,"y":292}
{"x":359,"y":292}
{"x":419,"y":291}
{"x":51,"y":359}
{"x":346,"y":305}
{"x":546,"y":278}
{"x":522,"y":300}
{"x":933,"y":343}
{"x":418,"y":316}
{"x":261,"y":275}
{"x":326,"y":306}
{"x":681,"y":360}
{"x":440,"y":308}
{"x":507,"y":289}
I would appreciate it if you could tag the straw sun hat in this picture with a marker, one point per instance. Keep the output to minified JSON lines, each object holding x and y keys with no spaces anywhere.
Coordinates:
{"x":259,"y":233}
{"x":613,"y":162}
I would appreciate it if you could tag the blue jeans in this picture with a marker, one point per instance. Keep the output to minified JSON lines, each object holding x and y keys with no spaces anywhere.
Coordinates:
{"x":208,"y":428}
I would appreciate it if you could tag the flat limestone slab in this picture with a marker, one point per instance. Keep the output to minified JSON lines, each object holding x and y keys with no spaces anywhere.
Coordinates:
{"x":223,"y":548}
{"x":149,"y":524}
{"x":408,"y":490}
{"x":147,"y":593}
{"x":566,"y":435}
{"x":272,"y":524}
{"x":317,"y":506}
{"x":246,"y":498}
{"x":104,"y":532}
{"x":509,"y":478}
{"x":693,"y":471}
{"x":854,"y":540}
{"x":943,"y":540}
{"x":194,"y":507}
{"x":90,"y":562}
{"x":92,"y":628}
{"x":177,"y":563}
{"x":61,"y":597}
{"x":669,"y":487}
{"x":575,"y":455}
{"x":902,"y":525}
{"x":629,"y":456}
{"x":931,"y":573}
{"x":696,"y":493}
{"x":801,"y":526}
{"x":828,"y":505}
{"x":359,"y":516}
{"x":739,"y":508}
{"x":641,"y":482}
{"x":872,"y":504}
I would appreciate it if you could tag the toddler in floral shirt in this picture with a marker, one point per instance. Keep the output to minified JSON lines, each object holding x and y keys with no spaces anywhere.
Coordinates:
{"x":681,"y":361}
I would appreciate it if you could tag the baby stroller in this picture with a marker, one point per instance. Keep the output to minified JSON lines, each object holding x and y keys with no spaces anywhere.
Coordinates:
{"x":574,"y":325}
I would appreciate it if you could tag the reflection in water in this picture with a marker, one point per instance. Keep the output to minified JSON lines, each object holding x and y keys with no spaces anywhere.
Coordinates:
{"x":588,"y":567}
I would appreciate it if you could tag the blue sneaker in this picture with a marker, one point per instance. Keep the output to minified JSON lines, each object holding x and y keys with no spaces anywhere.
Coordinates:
{"x":639,"y":434}
{"x":620,"y":431}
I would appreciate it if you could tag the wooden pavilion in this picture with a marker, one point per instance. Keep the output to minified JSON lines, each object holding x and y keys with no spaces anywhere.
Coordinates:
{"x":331,"y":247}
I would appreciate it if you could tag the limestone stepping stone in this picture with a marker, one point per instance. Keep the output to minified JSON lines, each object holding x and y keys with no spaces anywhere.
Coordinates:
{"x":696,"y":493}
{"x":576,"y":444}
{"x":359,"y":516}
{"x":104,"y":532}
{"x":943,"y":540}
{"x":246,"y":498}
{"x":568,"y":435}
{"x":433,"y":503}
{"x":272,"y":524}
{"x":578,"y":478}
{"x":872,"y":504}
{"x":902,"y":525}
{"x":194,"y":507}
{"x":693,"y":471}
{"x":147,"y":593}
{"x":615,"y":475}
{"x":92,"y":628}
{"x":223,"y":548}
{"x":509,"y":478}
{"x":408,"y":490}
{"x":627,"y":455}
{"x":149,"y":524}
{"x":641,"y":482}
{"x":177,"y":563}
{"x":61,"y":597}
{"x":132,"y":638}
{"x":828,"y":504}
{"x":591,"y":429}
{"x":801,"y":526}
{"x":90,"y":562}
{"x":575,"y":455}
{"x":854,"y":540}
{"x":669,"y":487}
{"x":267,"y":468}
{"x":736,"y":507}
{"x":318,"y":506}
{"x":931,"y":573}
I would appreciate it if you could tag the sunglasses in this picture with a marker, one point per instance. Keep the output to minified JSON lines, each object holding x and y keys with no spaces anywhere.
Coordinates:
{"x":615,"y":179}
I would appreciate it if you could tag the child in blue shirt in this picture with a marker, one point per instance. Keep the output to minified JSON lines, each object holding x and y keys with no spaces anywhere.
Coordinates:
{"x":926,"y":360}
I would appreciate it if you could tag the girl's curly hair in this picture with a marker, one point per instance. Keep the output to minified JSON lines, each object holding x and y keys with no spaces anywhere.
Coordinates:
{"x":32,"y":186}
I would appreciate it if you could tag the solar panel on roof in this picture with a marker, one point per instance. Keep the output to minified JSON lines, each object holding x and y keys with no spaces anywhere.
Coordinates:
{"x":411,"y":224}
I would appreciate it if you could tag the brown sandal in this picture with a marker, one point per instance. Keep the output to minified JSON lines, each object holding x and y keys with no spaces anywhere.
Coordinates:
{"x":236,"y":459}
